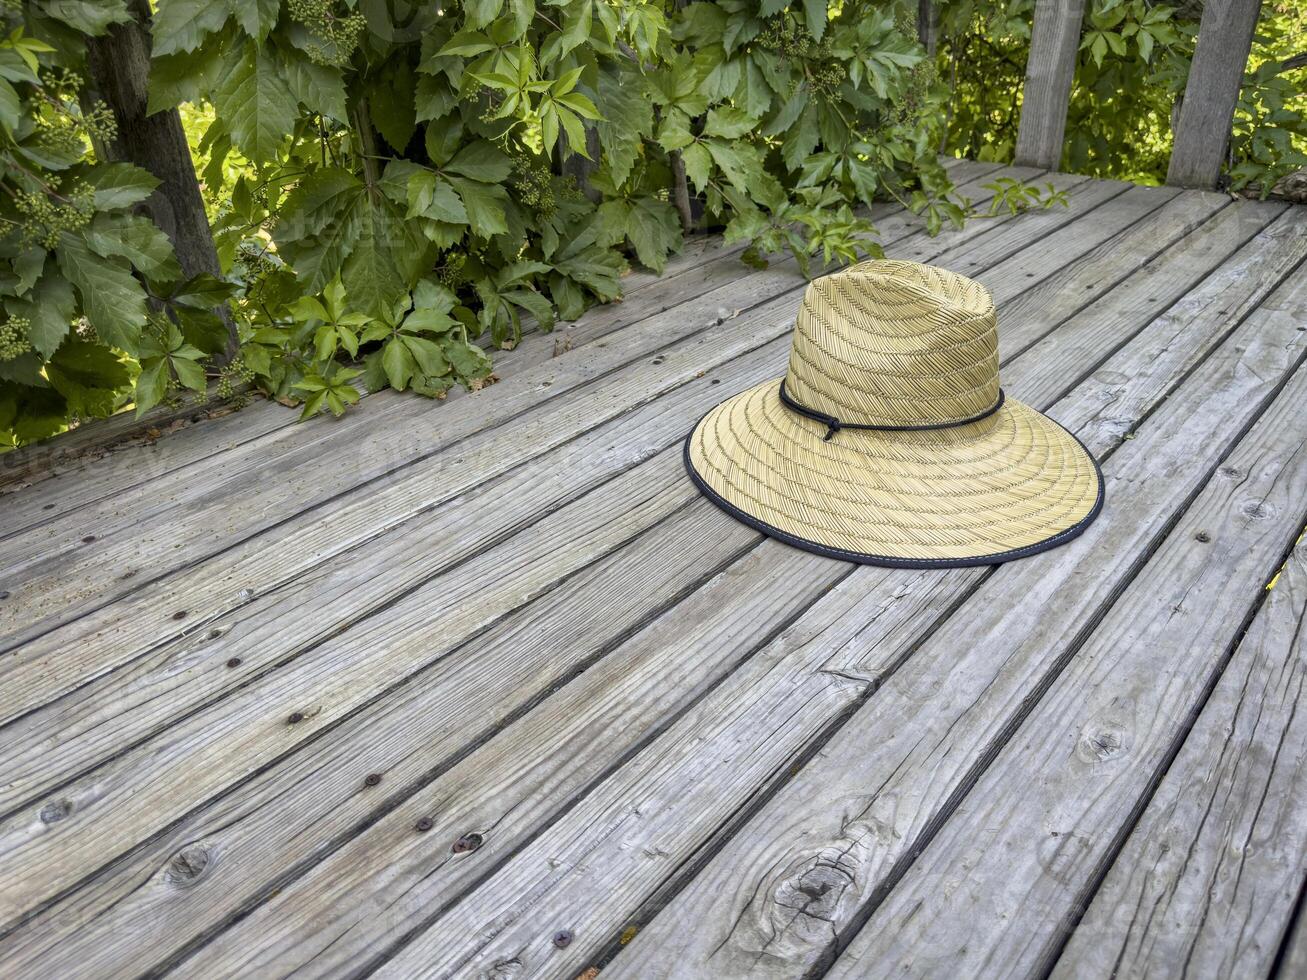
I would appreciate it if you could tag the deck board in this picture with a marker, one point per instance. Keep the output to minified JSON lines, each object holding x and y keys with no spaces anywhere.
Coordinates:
{"x":701,"y":752}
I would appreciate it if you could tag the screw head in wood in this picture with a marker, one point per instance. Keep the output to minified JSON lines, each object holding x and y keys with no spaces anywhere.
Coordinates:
{"x":562,"y":937}
{"x":466,"y":843}
{"x":1203,"y":536}
{"x":425,"y":824}
{"x":296,"y":717}
{"x":372,"y":779}
{"x":179,"y":614}
{"x":234,"y":662}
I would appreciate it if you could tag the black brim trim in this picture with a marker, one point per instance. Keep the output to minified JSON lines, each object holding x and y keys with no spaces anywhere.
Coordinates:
{"x":888,"y":561}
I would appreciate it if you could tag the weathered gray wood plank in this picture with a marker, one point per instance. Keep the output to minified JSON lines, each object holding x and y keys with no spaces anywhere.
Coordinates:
{"x":634,"y":830}
{"x":110,"y":457}
{"x":1017,"y":280}
{"x":1211,"y":873}
{"x":43,"y":669}
{"x":1050,"y":70}
{"x":752,"y":892}
{"x":79,"y":563}
{"x":131,"y":798}
{"x":996,"y":888}
{"x":1225,"y":36}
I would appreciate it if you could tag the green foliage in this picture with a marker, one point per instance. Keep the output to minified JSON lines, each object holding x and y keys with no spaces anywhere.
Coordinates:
{"x":1133,"y":65}
{"x":387,"y":187}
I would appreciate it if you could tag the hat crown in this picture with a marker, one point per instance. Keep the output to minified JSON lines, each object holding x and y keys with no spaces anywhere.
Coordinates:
{"x":895,"y":343}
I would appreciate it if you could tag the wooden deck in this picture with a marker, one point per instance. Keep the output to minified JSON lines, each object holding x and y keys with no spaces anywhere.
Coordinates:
{"x":485,"y":688}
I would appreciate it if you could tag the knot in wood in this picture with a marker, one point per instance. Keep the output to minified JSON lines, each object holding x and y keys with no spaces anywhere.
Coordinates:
{"x":1101,"y":746}
{"x":1257,"y":510}
{"x":188,"y":865}
{"x":816,"y":891}
{"x":56,"y":811}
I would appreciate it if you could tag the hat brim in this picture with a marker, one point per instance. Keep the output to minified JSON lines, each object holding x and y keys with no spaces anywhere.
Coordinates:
{"x":1008,"y":486}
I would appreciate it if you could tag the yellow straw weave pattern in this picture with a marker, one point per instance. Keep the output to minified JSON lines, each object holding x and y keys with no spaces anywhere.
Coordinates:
{"x":896,"y":344}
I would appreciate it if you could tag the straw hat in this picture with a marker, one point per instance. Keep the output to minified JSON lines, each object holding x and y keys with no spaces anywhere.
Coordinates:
{"x":889,"y":440}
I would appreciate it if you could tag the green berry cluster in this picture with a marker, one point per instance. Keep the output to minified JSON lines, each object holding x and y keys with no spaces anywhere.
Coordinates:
{"x":234,"y":373}
{"x":335,"y":36}
{"x":14,"y":341}
{"x":827,"y":78}
{"x":534,"y":185}
{"x":47,"y":214}
{"x":450,"y":272}
{"x":788,"y":39}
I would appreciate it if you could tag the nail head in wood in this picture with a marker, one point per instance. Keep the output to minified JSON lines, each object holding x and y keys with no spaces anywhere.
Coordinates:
{"x":467,"y":843}
{"x":373,"y":778}
{"x":296,"y":717}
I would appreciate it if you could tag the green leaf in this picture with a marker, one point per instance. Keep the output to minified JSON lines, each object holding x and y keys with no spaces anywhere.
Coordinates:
{"x":481,"y":12}
{"x":729,"y":122}
{"x":482,"y":161}
{"x":137,"y":239}
{"x":391,"y":102}
{"x":256,"y":103}
{"x":428,"y":354}
{"x":11,"y":107}
{"x":698,"y":164}
{"x":468,"y":360}
{"x":50,"y":309}
{"x":120,"y":185}
{"x":111,"y":298}
{"x":431,"y":197}
{"x":185,"y":77}
{"x":398,"y":363}
{"x":317,"y":87}
{"x":370,"y":273}
{"x":89,"y":376}
{"x":256,"y":17}
{"x":465,"y":44}
{"x":319,"y":200}
{"x":815,"y":13}
{"x":654,"y":231}
{"x":485,"y":204}
{"x":180,"y":25}
{"x":88,"y":16}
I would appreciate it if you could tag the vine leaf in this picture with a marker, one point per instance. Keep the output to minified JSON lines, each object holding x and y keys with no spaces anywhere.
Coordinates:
{"x":113,"y":300}
{"x":181,"y":25}
{"x":257,"y":103}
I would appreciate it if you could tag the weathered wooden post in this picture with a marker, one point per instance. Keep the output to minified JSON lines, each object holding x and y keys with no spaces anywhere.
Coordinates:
{"x":1050,"y":70}
{"x":1225,"y":37}
{"x":928,"y":25}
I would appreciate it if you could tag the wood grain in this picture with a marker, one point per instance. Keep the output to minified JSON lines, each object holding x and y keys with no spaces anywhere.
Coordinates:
{"x":76,"y":564}
{"x":996,"y":888}
{"x":772,"y":902}
{"x":1211,"y":873}
{"x":1225,"y":36}
{"x":1050,"y":69}
{"x":664,"y":801}
{"x":251,"y":644}
{"x":43,"y":669}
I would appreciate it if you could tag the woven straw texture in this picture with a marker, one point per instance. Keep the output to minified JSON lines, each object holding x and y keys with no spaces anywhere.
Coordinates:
{"x":896,"y":343}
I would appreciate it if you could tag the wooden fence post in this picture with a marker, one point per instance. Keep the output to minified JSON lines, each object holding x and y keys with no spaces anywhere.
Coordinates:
{"x":928,"y":25}
{"x":1050,"y":70}
{"x":1225,"y":36}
